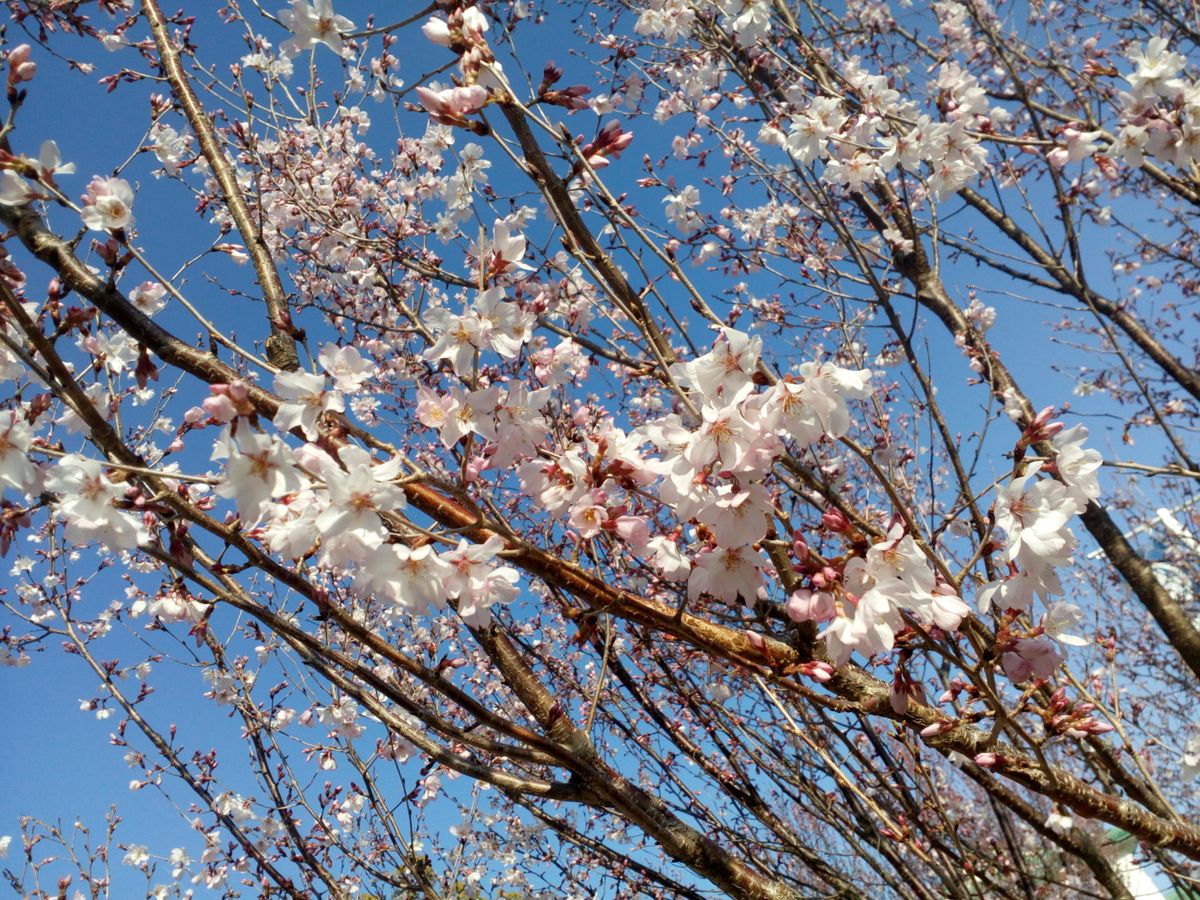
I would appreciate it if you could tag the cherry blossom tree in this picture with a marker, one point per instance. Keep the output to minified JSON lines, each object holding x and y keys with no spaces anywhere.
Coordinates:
{"x":674,"y":449}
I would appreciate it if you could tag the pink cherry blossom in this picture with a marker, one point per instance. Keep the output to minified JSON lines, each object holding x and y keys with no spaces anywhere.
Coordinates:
{"x":148,"y":297}
{"x":451,"y":106}
{"x":1031,"y":657}
{"x":805,"y":605}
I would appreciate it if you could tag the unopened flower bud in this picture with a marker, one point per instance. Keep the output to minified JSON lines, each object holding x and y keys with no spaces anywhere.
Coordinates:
{"x":800,"y":548}
{"x":836,"y":521}
{"x":20,"y":67}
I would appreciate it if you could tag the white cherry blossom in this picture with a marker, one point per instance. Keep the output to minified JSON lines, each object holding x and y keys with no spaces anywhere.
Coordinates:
{"x":361,"y":493}
{"x":737,"y":516}
{"x":727,"y":574}
{"x":477,"y":582}
{"x":726,"y":369}
{"x":1076,"y":465}
{"x":86,"y":504}
{"x":1034,"y":514}
{"x":681,"y":209}
{"x":347,"y":367}
{"x":305,"y":399}
{"x":259,"y":468}
{"x":311,"y":24}
{"x":1060,"y":619}
{"x":108,"y":204}
{"x":667,"y":558}
{"x":1157,"y":69}
{"x":412,"y":579}
{"x":16,"y":467}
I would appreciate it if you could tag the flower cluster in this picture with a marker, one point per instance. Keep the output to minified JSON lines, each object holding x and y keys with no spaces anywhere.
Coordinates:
{"x":1034,"y":513}
{"x":710,"y":471}
{"x":865,"y":606}
{"x":1161,"y":110}
{"x":492,"y":323}
{"x":875,"y":141}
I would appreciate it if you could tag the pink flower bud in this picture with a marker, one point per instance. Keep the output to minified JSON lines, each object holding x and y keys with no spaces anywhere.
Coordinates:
{"x":20,"y":67}
{"x":809,"y":606}
{"x":800,"y":548}
{"x":817,"y":670}
{"x":835,"y":521}
{"x":453,"y":105}
{"x":755,"y":639}
{"x":475,"y":467}
{"x":220,"y":408}
{"x":1041,"y":428}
